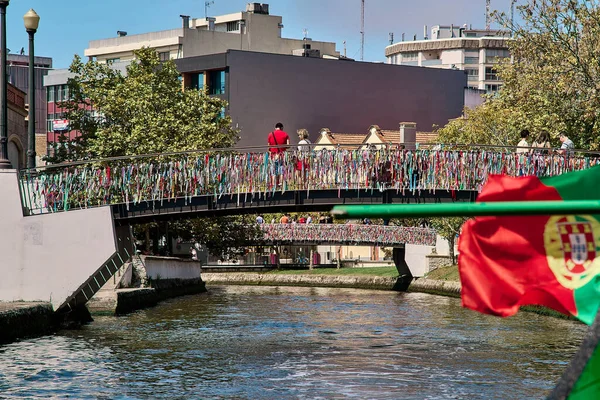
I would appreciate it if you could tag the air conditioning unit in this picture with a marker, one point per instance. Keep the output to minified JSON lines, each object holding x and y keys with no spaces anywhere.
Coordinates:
{"x":312,"y":53}
{"x":254,"y":8}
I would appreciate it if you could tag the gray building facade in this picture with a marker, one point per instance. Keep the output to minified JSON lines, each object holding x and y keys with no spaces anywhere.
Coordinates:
{"x":312,"y":93}
{"x":18,"y":75}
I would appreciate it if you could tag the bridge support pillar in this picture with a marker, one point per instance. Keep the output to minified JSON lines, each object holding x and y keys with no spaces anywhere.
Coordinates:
{"x":405,"y":276}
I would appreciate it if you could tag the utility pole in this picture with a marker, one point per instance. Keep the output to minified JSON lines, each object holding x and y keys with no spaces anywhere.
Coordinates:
{"x":488,"y":22}
{"x":362,"y":31}
{"x":344,"y":49}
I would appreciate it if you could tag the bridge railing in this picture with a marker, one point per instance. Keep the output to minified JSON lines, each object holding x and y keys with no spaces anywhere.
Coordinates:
{"x":161,"y":177}
{"x":356,"y":234}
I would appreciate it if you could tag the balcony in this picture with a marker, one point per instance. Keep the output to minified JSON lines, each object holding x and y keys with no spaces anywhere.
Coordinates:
{"x":429,"y":63}
{"x":473,"y":78}
{"x":471,"y":60}
{"x":413,"y":63}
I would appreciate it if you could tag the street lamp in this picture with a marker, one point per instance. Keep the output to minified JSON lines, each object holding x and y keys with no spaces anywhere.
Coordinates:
{"x":32,"y":21}
{"x":4,"y":163}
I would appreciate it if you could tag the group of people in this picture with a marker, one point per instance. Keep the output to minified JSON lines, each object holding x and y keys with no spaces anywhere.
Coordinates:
{"x":279,"y":141}
{"x":287,"y":219}
{"x":542,"y":143}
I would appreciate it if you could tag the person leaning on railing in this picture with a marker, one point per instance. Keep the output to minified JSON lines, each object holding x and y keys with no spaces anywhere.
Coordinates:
{"x":566,"y":144}
{"x":542,"y":145}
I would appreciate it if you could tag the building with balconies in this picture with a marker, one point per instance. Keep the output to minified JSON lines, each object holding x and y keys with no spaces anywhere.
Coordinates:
{"x":452,"y":47}
{"x":251,"y":30}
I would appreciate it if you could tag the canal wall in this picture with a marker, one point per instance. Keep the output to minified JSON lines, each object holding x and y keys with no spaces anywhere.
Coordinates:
{"x":446,"y":288}
{"x":20,"y":320}
{"x":148,"y":280}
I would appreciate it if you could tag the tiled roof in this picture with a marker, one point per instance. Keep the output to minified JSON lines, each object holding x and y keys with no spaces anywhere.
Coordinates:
{"x":348,"y":140}
{"x":426,"y":137}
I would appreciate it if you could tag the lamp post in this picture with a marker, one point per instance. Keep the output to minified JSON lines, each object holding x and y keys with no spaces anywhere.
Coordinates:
{"x":4,"y":163}
{"x":32,"y":21}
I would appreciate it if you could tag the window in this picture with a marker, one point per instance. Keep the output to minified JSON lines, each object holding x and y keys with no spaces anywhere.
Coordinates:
{"x":216,"y":82}
{"x":50,"y":94}
{"x":472,"y":74}
{"x":197,"y":81}
{"x":164,"y":56}
{"x":112,"y":60}
{"x":471,"y":57}
{"x":49,"y":125}
{"x":493,"y":56}
{"x":490,"y":74}
{"x":410,"y":56}
{"x":492,"y":88}
{"x":233,"y":26}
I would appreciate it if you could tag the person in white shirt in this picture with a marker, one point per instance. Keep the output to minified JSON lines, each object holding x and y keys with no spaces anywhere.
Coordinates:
{"x":566,"y":143}
{"x":304,"y":143}
{"x":523,"y":146}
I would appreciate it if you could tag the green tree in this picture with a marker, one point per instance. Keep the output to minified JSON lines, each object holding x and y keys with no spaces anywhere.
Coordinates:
{"x":551,"y":82}
{"x":145,"y":111}
{"x":223,"y":236}
{"x":142,"y":111}
{"x":449,"y":228}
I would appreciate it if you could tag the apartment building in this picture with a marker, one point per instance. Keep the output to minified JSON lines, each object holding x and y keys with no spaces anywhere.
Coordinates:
{"x":252,"y":30}
{"x":474,"y":51}
{"x":18,"y":75}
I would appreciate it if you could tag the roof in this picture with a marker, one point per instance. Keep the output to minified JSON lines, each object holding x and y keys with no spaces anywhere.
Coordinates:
{"x":347,"y":140}
{"x":426,"y":137}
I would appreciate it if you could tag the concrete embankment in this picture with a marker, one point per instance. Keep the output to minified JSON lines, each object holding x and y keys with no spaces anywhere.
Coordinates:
{"x":358,"y":282}
{"x":154,"y":279}
{"x":21,"y":320}
{"x":446,"y":288}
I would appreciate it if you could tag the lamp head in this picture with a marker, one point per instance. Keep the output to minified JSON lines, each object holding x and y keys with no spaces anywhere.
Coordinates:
{"x":32,"y":20}
{"x":4,"y":3}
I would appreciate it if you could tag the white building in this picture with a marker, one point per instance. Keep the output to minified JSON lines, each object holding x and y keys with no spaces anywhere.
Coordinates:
{"x":253,"y":30}
{"x":474,"y":51}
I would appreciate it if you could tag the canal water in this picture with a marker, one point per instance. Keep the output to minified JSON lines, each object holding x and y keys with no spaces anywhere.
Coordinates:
{"x":300,"y":343}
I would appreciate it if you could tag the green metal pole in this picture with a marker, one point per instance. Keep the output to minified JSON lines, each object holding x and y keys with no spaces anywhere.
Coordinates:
{"x":386,"y":211}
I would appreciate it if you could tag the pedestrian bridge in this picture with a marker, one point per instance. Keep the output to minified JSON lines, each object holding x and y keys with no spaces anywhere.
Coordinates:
{"x":347,"y":234}
{"x":168,"y":186}
{"x":65,"y":228}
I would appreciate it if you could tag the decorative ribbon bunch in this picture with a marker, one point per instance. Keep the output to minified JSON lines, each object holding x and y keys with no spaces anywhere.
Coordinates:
{"x":162,"y":178}
{"x":378,"y":235}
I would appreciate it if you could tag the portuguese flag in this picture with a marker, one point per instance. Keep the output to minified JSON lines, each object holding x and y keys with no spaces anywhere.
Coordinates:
{"x":553,"y":261}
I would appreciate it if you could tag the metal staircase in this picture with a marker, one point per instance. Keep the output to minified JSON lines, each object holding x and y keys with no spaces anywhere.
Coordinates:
{"x":125,"y":251}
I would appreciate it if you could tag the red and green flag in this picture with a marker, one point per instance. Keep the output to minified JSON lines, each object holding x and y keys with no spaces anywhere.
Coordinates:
{"x":554,"y":261}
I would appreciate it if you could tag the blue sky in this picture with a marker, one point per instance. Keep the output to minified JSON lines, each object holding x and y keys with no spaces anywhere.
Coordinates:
{"x":67,"y":26}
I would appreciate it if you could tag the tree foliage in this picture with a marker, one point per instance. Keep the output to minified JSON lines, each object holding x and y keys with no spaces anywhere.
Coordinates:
{"x":142,"y":111}
{"x":551,"y":82}
{"x":145,"y":111}
{"x":225,"y":237}
{"x":449,"y":228}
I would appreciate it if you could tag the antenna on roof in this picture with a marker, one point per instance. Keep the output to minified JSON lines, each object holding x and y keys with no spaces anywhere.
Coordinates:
{"x":362,"y":30}
{"x":488,"y":21}
{"x":206,"y":5}
{"x":512,"y":15}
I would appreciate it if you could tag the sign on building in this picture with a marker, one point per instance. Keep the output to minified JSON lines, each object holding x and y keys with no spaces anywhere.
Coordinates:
{"x":60,"y":125}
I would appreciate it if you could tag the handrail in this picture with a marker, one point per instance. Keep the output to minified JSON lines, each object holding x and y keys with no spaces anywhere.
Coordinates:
{"x":312,"y":146}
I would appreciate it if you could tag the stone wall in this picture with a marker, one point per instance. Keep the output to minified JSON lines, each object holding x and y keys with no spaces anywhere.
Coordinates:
{"x":435,"y":261}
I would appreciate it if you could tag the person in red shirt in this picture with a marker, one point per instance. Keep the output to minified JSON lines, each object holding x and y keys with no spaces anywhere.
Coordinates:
{"x":278,"y":140}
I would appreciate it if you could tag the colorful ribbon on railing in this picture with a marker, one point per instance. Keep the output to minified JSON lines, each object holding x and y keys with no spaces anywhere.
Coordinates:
{"x":226,"y":173}
{"x":378,"y":235}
